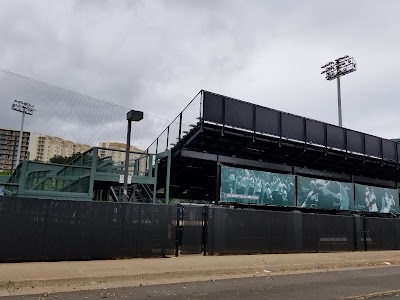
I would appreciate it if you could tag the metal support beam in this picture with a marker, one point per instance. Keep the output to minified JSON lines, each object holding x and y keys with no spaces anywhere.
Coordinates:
{"x":254,"y":122}
{"x":356,"y":166}
{"x":372,"y":181}
{"x":149,"y":164}
{"x":345,"y":143}
{"x":180,"y":127}
{"x":217,"y":182}
{"x":321,"y":174}
{"x":13,"y":165}
{"x":193,"y":136}
{"x":168,"y":177}
{"x":136,"y":168}
{"x":339,"y":102}
{"x":155,"y":180}
{"x":316,"y":159}
{"x":93,"y":171}
{"x":157,"y":146}
{"x":166,"y":148}
{"x":326,"y":138}
{"x":280,"y":129}
{"x":22,"y":177}
{"x":243,"y":146}
{"x":236,"y":161}
{"x":305,"y":134}
{"x":223,"y":116}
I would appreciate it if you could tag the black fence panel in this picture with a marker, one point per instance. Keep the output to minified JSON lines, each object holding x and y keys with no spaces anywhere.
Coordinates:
{"x":397,"y":236}
{"x":389,"y":150}
{"x":40,"y":230}
{"x":192,"y":229}
{"x":372,"y":145}
{"x":232,"y":231}
{"x":355,"y":141}
{"x":21,"y":229}
{"x":212,"y":107}
{"x":336,"y":137}
{"x":315,"y":132}
{"x":66,"y":232}
{"x":309,"y":233}
{"x":157,"y":230}
{"x":109,"y":225}
{"x":359,"y":243}
{"x":284,"y":233}
{"x":239,"y":114}
{"x":381,"y":233}
{"x":267,"y":121}
{"x":336,"y":233}
{"x":131,"y":229}
{"x":292,"y":127}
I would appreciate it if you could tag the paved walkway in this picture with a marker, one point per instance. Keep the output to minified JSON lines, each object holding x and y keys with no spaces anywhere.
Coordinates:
{"x":46,"y":277}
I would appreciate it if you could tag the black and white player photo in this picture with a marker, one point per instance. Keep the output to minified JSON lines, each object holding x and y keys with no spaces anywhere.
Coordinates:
{"x":376,"y":199}
{"x":324,"y":194}
{"x":258,"y":187}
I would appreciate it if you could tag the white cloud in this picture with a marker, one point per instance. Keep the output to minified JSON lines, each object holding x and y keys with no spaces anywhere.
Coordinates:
{"x":156,"y":55}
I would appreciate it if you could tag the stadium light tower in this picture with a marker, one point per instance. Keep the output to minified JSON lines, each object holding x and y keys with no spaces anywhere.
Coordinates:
{"x":24,"y":108}
{"x":334,"y":69}
{"x":134,"y":116}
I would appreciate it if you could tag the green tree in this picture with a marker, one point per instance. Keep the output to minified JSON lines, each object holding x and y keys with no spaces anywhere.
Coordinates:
{"x":59,"y":159}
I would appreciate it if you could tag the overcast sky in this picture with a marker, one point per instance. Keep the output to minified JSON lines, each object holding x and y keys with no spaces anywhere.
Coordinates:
{"x":156,"y":55}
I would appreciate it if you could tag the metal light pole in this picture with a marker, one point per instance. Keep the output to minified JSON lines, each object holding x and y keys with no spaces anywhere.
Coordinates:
{"x":134,"y":116}
{"x":341,"y":66}
{"x":24,"y":108}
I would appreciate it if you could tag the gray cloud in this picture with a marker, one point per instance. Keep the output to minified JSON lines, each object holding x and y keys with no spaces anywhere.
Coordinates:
{"x":156,"y":55}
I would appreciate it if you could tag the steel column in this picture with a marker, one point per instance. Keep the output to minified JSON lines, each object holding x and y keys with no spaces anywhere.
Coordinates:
{"x":126,"y":171}
{"x":168,"y":177}
{"x":339,"y":102}
{"x":20,"y":139}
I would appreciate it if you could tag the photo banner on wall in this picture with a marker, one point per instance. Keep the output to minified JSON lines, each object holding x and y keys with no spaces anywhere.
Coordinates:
{"x":324,"y":194}
{"x":257,"y":187}
{"x":376,"y":199}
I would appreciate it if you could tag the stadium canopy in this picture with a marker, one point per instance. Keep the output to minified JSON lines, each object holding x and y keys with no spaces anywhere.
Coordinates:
{"x":214,"y":130}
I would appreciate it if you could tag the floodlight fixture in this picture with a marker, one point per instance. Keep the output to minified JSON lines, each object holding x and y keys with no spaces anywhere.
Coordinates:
{"x":134,"y":116}
{"x":334,"y":70}
{"x":26,"y":109}
{"x":23,"y":107}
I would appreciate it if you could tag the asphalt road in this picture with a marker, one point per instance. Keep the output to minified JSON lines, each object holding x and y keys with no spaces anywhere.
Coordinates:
{"x":370,"y":283}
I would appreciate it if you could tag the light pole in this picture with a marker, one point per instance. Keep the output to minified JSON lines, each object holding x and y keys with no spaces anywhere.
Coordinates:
{"x":24,"y":108}
{"x":334,"y":69}
{"x":134,"y":116}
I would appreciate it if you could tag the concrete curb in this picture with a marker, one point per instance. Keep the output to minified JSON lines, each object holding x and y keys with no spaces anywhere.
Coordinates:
{"x":84,"y":282}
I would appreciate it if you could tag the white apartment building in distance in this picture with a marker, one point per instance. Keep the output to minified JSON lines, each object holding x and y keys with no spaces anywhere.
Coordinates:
{"x":9,"y":141}
{"x":44,"y":147}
